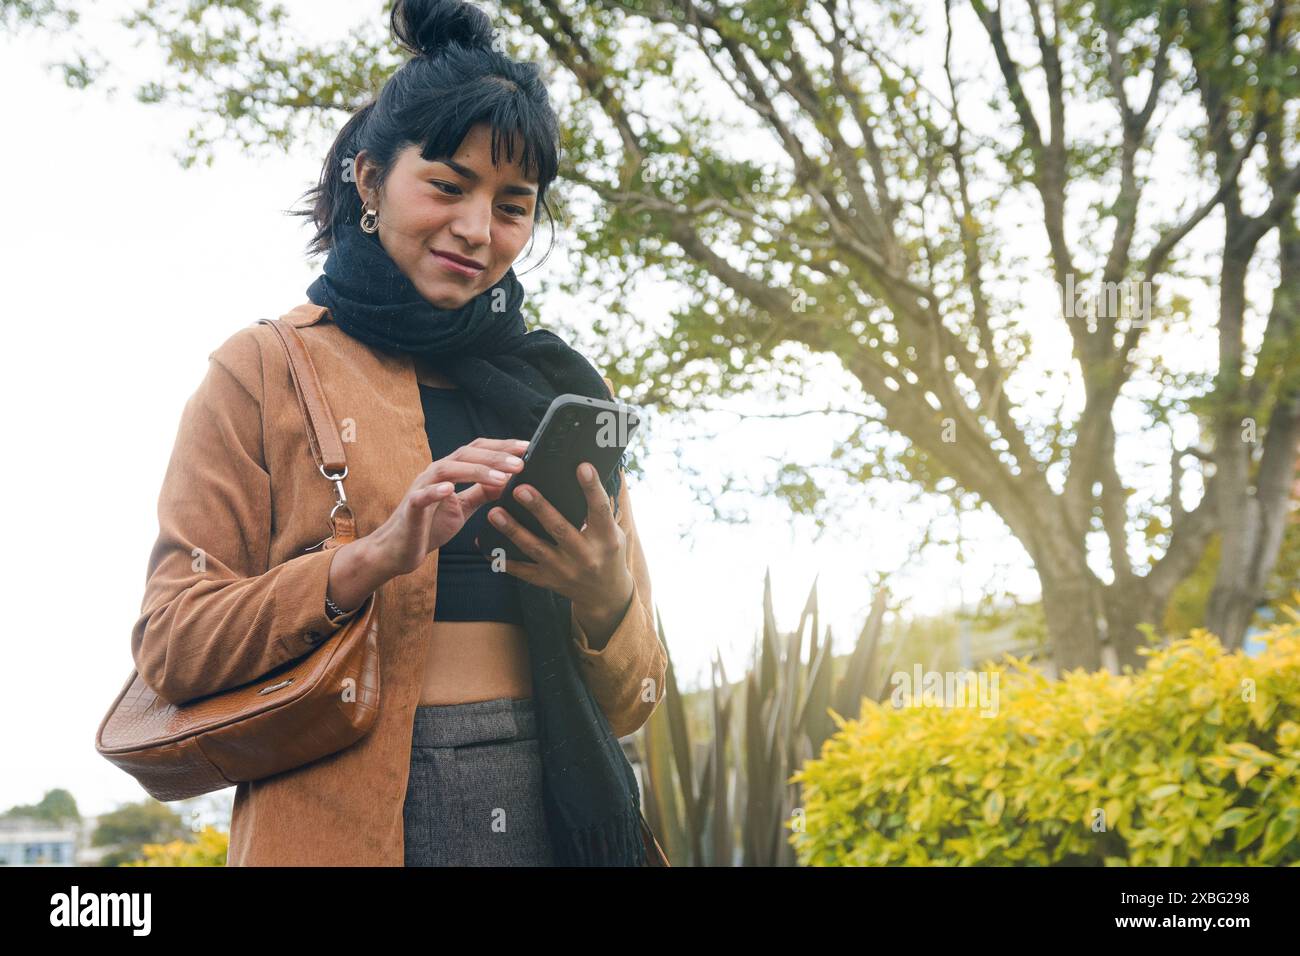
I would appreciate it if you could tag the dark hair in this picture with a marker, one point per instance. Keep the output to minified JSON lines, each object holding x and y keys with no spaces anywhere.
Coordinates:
{"x":455,"y":80}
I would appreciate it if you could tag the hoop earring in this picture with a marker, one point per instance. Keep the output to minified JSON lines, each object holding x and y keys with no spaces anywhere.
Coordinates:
{"x":370,"y":221}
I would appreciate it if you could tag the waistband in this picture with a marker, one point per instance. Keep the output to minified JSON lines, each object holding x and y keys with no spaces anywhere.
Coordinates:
{"x":476,"y":722}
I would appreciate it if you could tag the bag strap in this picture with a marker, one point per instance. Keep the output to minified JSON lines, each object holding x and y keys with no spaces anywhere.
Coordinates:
{"x":322,"y":431}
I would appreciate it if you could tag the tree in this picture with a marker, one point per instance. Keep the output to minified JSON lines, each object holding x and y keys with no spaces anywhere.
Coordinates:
{"x":132,"y":826}
{"x":835,"y":190}
{"x":46,"y":14}
{"x":57,"y":806}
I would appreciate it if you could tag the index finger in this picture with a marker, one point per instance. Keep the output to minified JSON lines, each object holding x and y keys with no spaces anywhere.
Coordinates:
{"x":511,"y":446}
{"x":600,"y":513}
{"x":508,"y":444}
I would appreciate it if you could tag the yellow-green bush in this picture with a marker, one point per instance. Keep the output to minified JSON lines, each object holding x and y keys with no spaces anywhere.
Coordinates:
{"x":1191,"y":760}
{"x":208,"y":848}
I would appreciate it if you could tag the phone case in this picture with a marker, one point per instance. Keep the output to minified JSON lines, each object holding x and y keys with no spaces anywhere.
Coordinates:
{"x":574,"y":429}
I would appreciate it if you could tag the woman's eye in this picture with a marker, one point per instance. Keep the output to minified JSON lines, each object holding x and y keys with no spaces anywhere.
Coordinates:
{"x":451,"y":189}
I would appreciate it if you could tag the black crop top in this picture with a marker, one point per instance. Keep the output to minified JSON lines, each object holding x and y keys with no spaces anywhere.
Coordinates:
{"x":468,"y":588}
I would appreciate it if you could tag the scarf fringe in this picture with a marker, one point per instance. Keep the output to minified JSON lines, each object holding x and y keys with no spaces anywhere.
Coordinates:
{"x":617,"y":842}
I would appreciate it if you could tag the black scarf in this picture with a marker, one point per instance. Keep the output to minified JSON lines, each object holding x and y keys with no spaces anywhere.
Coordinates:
{"x":592,"y":805}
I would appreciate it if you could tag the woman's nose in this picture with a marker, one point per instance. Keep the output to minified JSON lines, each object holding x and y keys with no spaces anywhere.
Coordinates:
{"x":473,"y":224}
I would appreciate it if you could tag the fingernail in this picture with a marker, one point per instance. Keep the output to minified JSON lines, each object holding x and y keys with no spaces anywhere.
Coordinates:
{"x":495,"y":516}
{"x":523,"y":494}
{"x":498,"y":475}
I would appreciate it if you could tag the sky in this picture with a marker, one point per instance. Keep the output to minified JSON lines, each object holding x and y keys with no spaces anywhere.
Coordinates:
{"x":123,"y":271}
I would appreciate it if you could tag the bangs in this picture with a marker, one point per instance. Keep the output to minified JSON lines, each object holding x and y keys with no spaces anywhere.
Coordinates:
{"x":516,"y":128}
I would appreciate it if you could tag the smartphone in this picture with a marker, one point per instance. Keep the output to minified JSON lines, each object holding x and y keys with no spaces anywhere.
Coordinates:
{"x":574,"y":429}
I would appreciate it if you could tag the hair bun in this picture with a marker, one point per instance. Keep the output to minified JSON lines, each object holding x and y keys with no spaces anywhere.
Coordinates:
{"x":426,"y":27}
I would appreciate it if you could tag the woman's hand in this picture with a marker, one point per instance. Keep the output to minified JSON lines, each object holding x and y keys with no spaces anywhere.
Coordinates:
{"x":432,"y":511}
{"x":589,"y":567}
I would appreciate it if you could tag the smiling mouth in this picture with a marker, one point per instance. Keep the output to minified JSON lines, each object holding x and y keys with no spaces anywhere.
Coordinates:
{"x":460,"y":266}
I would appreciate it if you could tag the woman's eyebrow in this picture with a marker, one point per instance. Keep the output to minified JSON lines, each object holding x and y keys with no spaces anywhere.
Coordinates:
{"x":514,"y":189}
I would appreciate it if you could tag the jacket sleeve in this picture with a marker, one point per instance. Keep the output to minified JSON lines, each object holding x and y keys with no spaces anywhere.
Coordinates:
{"x":214,"y":615}
{"x":627,"y":675}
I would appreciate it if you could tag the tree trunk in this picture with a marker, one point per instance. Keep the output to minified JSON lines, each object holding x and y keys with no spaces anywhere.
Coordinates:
{"x":1256,"y":509}
{"x":1127,"y":605}
{"x":1229,"y":613}
{"x":1071,"y":613}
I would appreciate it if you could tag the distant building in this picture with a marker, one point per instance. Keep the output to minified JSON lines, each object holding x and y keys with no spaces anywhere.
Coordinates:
{"x":28,"y":841}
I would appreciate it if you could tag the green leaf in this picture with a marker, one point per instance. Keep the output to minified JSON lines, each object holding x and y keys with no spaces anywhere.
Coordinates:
{"x":1232,"y":818}
{"x":1281,"y":831}
{"x":993,"y":806}
{"x":1248,"y":833}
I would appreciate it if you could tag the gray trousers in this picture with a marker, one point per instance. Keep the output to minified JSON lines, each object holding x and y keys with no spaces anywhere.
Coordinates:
{"x":474,"y":796}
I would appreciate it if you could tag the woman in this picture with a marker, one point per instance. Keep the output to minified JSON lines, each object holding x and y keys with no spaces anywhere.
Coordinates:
{"x":502,"y":694}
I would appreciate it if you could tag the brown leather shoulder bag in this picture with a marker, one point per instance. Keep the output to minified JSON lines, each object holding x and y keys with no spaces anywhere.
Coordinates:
{"x":305,"y":709}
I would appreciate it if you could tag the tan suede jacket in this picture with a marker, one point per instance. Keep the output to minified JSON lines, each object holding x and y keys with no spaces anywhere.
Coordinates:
{"x":232,"y":591}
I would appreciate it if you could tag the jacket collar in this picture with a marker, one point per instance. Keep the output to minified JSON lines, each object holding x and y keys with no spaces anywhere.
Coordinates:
{"x":306,"y":314}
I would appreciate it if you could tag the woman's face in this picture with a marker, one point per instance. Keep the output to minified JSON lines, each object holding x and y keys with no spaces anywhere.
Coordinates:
{"x":460,"y":206}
